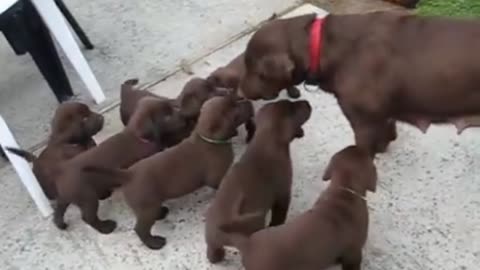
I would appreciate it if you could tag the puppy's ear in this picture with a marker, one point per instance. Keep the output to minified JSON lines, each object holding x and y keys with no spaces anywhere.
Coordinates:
{"x":147,"y":129}
{"x":277,"y":67}
{"x":370,"y":177}
{"x":190,"y":105}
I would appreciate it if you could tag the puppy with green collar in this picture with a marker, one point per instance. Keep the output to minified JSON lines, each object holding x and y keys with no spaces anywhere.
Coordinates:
{"x":262,"y":177}
{"x":200,"y":160}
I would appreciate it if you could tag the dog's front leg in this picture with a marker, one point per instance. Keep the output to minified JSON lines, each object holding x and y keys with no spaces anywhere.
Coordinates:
{"x":145,"y":220}
{"x":352,"y":260}
{"x":280,"y":210}
{"x":59,"y":213}
{"x":89,"y":209}
{"x":373,"y":134}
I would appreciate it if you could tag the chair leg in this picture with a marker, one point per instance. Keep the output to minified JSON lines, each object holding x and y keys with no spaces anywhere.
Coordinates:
{"x":75,"y":25}
{"x":42,"y":49}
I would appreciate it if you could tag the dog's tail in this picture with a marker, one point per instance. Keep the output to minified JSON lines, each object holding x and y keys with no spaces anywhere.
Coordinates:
{"x":127,"y":87}
{"x":112,"y":177}
{"x":237,"y":226}
{"x":22,"y":153}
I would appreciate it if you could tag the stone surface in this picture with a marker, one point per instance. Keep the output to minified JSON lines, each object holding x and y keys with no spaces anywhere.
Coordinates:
{"x":424,"y":214}
{"x":147,"y":39}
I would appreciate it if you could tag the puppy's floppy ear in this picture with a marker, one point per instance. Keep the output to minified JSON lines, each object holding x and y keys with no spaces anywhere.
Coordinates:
{"x":190,"y":105}
{"x":277,"y":66}
{"x":369,"y":177}
{"x":147,"y":129}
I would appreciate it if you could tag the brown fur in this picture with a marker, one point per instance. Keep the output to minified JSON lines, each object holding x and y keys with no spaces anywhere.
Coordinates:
{"x":184,"y":168}
{"x":333,"y":232}
{"x":262,"y":177}
{"x":76,"y":186}
{"x":72,"y":129}
{"x":190,"y":100}
{"x":380,"y":66}
{"x":231,"y":75}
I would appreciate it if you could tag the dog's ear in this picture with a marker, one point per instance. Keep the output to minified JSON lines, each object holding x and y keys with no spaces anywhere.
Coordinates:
{"x":146,"y":129}
{"x":277,"y":67}
{"x":190,"y":105}
{"x":370,"y":177}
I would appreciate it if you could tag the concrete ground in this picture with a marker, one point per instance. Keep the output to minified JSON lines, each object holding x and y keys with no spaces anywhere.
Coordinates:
{"x":424,"y":214}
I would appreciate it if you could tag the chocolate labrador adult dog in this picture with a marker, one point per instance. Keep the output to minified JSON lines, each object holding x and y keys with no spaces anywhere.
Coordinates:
{"x":333,"y":232}
{"x":201,"y":159}
{"x":380,"y":66}
{"x":262,"y":177}
{"x":152,"y":120}
{"x":190,"y":100}
{"x":72,"y":128}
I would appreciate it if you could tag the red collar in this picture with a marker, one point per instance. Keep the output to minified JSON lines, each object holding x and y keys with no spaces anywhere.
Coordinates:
{"x":315,"y":46}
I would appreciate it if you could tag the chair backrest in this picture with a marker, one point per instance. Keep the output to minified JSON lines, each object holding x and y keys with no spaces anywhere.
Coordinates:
{"x":5,"y":4}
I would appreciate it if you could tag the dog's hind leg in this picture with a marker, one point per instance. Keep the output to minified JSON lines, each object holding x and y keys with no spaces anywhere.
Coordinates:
{"x":89,"y":210}
{"x":145,"y":220}
{"x":59,"y":213}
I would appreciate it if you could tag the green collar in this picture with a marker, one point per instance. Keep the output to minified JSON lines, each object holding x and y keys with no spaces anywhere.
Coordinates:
{"x":213,"y":141}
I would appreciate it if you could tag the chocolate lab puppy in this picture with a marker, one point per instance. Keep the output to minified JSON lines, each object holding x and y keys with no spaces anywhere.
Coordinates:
{"x":190,"y":100}
{"x":333,"y":232}
{"x":380,"y":66}
{"x":153,"y":120}
{"x":231,"y":75}
{"x":404,"y":3}
{"x":72,"y":129}
{"x":262,"y":177}
{"x":201,"y":159}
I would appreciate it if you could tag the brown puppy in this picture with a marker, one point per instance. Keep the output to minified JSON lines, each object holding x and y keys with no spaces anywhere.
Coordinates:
{"x":231,"y":75}
{"x":129,"y":98}
{"x":72,"y":129}
{"x":380,"y":66}
{"x":332,"y":232}
{"x":404,"y":3}
{"x":262,"y":177}
{"x":190,"y":100}
{"x":150,"y":122}
{"x":201,"y":159}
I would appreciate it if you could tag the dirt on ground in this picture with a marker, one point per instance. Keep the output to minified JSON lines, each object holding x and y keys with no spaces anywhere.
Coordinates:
{"x":355,"y":6}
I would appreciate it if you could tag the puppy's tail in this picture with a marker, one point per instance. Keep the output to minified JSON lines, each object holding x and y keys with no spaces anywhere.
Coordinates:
{"x":237,"y":226}
{"x":22,"y":153}
{"x":127,"y":87}
{"x":239,"y":222}
{"x":111,"y":177}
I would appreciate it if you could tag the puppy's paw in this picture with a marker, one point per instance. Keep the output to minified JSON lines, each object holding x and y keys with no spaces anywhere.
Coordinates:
{"x":155,"y":242}
{"x":163,"y":213}
{"x":60,"y":224}
{"x":215,"y":255}
{"x":107,"y":226}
